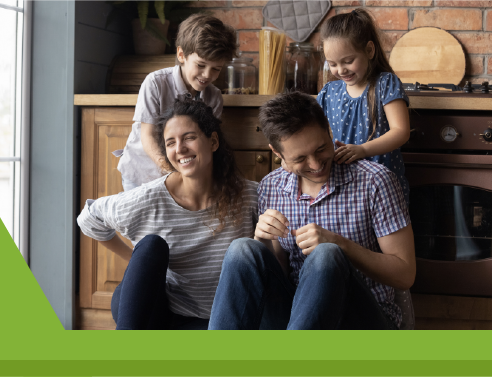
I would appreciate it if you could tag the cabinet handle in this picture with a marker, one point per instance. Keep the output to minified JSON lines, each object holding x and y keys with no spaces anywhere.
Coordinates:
{"x":277,"y":160}
{"x":258,"y":129}
{"x":260,"y":158}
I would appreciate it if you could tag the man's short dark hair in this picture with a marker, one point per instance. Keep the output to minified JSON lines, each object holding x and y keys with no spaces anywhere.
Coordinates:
{"x":289,"y":113}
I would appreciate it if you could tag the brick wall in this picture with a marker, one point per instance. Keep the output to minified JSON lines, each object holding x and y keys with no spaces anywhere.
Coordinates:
{"x":468,"y":20}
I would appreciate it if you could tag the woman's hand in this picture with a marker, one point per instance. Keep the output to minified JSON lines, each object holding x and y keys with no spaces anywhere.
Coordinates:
{"x":348,"y":153}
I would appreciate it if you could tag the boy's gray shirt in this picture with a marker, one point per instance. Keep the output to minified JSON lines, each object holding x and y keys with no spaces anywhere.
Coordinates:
{"x":157,"y":94}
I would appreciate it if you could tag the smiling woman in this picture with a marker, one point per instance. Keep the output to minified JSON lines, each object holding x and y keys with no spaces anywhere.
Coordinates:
{"x":181,"y":224}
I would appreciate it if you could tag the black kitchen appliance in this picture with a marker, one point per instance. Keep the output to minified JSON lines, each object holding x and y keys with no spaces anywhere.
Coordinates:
{"x":448,"y":162}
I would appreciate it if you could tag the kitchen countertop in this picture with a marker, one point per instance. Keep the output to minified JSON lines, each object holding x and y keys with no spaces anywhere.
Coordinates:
{"x":451,"y":101}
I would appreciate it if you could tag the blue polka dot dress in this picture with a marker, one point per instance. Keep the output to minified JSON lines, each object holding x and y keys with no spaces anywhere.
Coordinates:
{"x":350,"y":120}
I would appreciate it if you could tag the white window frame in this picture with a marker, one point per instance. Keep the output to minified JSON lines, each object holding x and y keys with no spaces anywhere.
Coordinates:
{"x":22,"y":199}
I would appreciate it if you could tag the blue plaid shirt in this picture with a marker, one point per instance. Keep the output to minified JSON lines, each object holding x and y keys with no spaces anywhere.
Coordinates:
{"x":361,"y":202}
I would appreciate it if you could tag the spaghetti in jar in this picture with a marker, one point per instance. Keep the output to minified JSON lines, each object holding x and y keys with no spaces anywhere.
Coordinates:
{"x":272,"y":52}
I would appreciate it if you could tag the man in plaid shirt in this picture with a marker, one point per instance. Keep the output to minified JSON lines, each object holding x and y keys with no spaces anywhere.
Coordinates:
{"x":344,"y":228}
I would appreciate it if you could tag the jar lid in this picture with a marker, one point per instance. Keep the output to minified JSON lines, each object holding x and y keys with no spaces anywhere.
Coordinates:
{"x":269,"y":28}
{"x":242,"y":59}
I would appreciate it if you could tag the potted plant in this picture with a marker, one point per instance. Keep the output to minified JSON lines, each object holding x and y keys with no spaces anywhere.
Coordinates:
{"x":150,"y":22}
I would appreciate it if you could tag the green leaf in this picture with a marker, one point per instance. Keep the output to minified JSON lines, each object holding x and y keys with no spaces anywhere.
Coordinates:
{"x":156,"y":33}
{"x":159,"y":8}
{"x":143,"y":12}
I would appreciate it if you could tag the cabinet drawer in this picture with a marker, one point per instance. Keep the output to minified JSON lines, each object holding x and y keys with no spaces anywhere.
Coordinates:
{"x":254,"y":165}
{"x":241,"y":128}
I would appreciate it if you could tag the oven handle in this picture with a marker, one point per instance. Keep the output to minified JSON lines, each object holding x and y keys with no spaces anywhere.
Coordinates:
{"x":448,"y":160}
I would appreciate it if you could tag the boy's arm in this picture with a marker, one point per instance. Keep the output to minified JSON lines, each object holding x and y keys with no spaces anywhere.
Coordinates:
{"x":149,"y":145}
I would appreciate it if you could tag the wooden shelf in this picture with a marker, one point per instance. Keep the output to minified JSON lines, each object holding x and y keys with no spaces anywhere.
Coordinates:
{"x":460,"y":102}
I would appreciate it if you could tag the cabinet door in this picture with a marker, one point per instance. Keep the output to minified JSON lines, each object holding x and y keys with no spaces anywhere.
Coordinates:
{"x":254,"y":165}
{"x":242,"y":129}
{"x":103,"y":131}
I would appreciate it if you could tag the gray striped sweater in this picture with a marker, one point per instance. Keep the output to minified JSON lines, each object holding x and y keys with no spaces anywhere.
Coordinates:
{"x":195,"y":253}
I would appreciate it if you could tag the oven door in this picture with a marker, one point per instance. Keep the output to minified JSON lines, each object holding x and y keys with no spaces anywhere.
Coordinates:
{"x":451,"y":213}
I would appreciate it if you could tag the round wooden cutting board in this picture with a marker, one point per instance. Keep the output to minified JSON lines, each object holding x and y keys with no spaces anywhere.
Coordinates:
{"x":428,"y":55}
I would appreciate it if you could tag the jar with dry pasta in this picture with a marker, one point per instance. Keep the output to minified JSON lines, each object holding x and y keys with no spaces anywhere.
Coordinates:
{"x":272,"y":53}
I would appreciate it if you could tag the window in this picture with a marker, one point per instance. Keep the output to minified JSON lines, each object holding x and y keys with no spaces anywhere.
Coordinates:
{"x":12,"y":75}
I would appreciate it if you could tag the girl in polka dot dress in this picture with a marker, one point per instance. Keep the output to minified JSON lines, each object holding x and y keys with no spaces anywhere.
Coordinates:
{"x":367,"y":107}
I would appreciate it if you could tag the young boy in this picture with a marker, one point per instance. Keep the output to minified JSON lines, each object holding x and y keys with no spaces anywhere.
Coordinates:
{"x":204,"y":44}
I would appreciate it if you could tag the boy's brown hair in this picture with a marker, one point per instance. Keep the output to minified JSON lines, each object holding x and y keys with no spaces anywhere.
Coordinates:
{"x":208,"y":36}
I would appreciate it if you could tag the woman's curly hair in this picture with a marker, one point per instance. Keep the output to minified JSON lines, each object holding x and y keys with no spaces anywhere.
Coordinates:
{"x":228,"y":182}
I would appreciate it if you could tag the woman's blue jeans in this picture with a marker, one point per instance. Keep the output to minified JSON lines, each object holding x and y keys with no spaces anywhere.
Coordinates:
{"x":254,"y":293}
{"x":140,"y":301}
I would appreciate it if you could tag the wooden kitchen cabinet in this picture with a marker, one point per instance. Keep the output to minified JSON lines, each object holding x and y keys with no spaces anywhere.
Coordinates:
{"x":105,"y":129}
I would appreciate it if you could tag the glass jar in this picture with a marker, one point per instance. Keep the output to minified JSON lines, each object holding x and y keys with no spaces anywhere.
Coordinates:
{"x":324,"y":74}
{"x":240,"y":77}
{"x":272,"y":55}
{"x":301,"y":68}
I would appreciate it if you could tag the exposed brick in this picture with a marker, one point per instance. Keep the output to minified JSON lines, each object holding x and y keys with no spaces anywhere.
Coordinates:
{"x":475,"y":43}
{"x":332,"y":12}
{"x":346,"y":3}
{"x":240,"y":18}
{"x":250,"y":3}
{"x":389,"y":39}
{"x":474,"y":80}
{"x":488,"y":23}
{"x":249,"y":40}
{"x":391,"y":18}
{"x":398,"y":3}
{"x":449,"y":19}
{"x":345,"y":10}
{"x":474,"y":65}
{"x":207,"y":4}
{"x":489,"y":65}
{"x":314,"y":38}
{"x":463,"y":3}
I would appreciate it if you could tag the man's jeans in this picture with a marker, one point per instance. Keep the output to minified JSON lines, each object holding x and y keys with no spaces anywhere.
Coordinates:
{"x":253,"y":292}
{"x":140,"y":301}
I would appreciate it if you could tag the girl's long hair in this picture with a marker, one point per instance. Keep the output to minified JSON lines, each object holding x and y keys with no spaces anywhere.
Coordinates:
{"x":359,"y":28}
{"x":228,"y":182}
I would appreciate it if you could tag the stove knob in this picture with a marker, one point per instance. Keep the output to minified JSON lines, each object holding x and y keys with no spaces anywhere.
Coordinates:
{"x":485,"y":87}
{"x":468,"y":87}
{"x":487,"y":135}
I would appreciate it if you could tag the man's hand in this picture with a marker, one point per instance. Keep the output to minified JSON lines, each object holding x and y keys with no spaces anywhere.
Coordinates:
{"x":311,"y":235}
{"x":348,"y":153}
{"x":272,"y":225}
